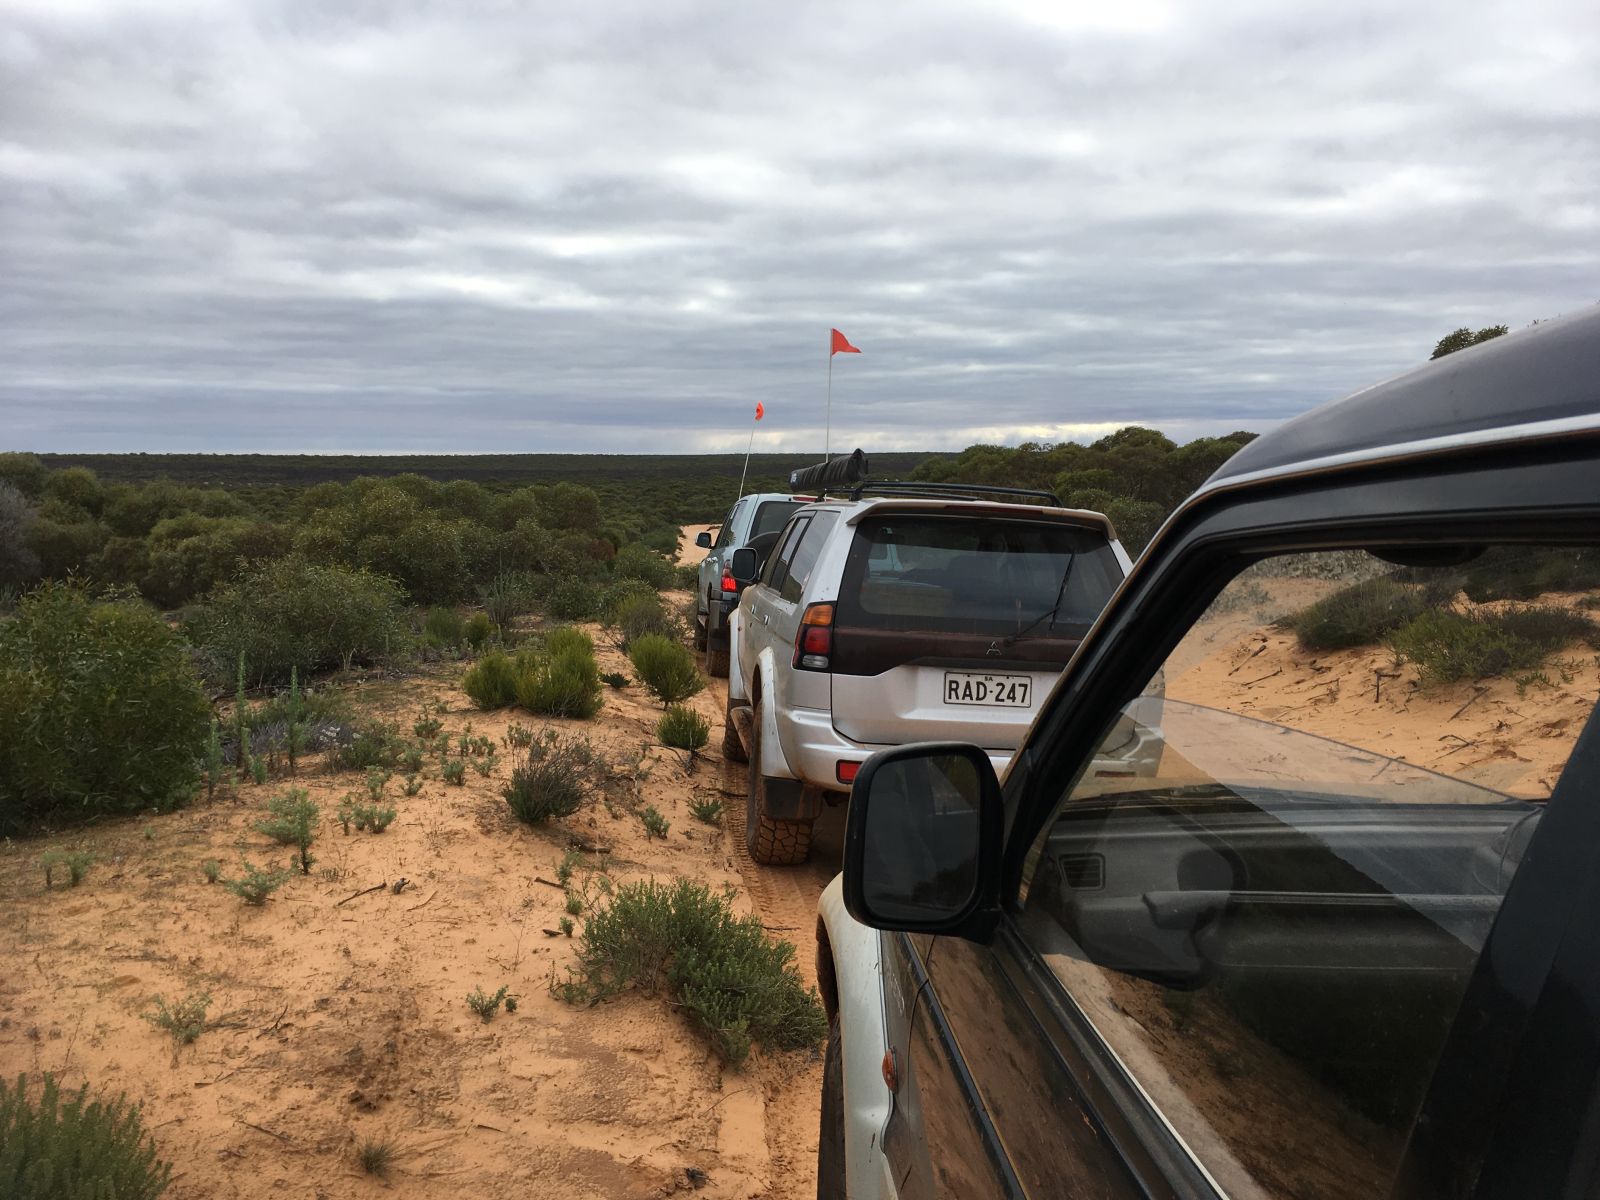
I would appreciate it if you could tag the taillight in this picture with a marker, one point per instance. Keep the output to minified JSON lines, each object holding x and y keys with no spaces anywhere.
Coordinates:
{"x":814,"y":643}
{"x":846,"y":771}
{"x":729,"y":583}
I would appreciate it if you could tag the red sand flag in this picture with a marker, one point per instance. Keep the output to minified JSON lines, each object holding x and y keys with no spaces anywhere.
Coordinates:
{"x":760,"y":410}
{"x":841,"y":345}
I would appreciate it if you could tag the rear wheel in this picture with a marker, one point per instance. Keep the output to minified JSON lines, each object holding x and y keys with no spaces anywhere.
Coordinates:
{"x":774,"y":843}
{"x":732,"y":747}
{"x":830,"y":1138}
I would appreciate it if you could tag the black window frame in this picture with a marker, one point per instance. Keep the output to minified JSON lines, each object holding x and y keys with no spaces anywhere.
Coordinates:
{"x":1536,"y":495}
{"x":778,"y":563}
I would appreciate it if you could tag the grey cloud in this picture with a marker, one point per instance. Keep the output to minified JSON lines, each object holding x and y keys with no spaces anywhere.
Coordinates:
{"x":383,"y":226}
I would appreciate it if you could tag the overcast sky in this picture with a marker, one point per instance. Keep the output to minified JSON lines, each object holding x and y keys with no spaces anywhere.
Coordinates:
{"x":368,"y":225}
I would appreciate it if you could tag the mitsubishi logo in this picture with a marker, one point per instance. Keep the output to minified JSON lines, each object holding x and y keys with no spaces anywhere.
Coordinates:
{"x":994,"y":649}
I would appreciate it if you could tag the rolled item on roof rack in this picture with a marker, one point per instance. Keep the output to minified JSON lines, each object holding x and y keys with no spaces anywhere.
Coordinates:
{"x":841,"y":472}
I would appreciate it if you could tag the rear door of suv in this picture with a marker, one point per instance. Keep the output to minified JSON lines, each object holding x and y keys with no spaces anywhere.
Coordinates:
{"x":954,"y":621}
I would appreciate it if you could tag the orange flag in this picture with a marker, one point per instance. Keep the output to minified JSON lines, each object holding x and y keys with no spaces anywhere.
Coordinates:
{"x":841,"y":345}
{"x":760,"y":410}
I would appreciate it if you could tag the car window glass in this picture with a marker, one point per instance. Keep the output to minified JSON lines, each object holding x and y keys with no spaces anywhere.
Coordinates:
{"x":770,"y":517}
{"x":1269,"y":886}
{"x":725,"y":534}
{"x":980,"y":575}
{"x":772,"y":575}
{"x":805,"y":555}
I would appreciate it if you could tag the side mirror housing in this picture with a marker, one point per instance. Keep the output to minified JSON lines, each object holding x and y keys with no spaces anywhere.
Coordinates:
{"x":743,"y":565}
{"x":923,"y":841}
{"x":703,"y":539}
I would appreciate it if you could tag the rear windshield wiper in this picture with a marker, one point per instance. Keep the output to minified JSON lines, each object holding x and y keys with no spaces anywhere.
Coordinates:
{"x":1049,"y":614}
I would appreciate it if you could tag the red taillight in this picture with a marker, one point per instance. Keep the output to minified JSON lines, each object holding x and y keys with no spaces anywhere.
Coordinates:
{"x":729,"y":583}
{"x":814,"y":643}
{"x":846,"y":772}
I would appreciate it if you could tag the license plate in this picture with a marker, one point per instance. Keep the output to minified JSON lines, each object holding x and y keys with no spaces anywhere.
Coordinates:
{"x":994,"y":691}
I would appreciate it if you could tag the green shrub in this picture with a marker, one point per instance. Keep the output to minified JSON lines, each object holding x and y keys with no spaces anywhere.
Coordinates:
{"x":567,"y":599}
{"x":211,"y":869}
{"x":620,"y":592}
{"x":641,"y":563}
{"x":293,"y":613}
{"x":707,"y":809}
{"x":486,"y":1005}
{"x":51,"y":1148}
{"x":444,"y":628}
{"x":737,"y":985}
{"x":477,"y":631}
{"x":100,"y":711}
{"x":615,"y":679}
{"x":376,"y":1156}
{"x":77,"y":862}
{"x":292,"y":821}
{"x":552,"y":777}
{"x":371,"y":744}
{"x":454,"y":771}
{"x":666,"y":668}
{"x":507,"y":597}
{"x":563,"y":680}
{"x":683,"y":728}
{"x":641,"y":615}
{"x":1360,"y":615}
{"x":256,"y":884}
{"x":491,"y":681}
{"x":1447,"y":646}
{"x":655,"y":825}
{"x":185,"y":1020}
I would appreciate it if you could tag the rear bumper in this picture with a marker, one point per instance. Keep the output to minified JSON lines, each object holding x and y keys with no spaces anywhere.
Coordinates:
{"x":813,"y":750}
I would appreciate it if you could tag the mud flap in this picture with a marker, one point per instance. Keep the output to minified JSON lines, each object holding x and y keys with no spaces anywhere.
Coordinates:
{"x":791,"y":800}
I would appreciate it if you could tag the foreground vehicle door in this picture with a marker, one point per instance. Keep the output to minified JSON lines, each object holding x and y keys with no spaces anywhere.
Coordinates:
{"x":1269,"y":969}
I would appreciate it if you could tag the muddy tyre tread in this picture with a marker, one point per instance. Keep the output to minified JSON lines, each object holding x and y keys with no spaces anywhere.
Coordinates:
{"x":769,"y":842}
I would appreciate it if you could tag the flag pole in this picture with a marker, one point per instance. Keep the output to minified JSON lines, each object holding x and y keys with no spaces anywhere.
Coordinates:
{"x":747,"y":448}
{"x":827,"y":434}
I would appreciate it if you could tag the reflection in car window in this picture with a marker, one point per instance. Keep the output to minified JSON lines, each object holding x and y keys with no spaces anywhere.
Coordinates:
{"x":773,"y":574}
{"x":1268,"y":889}
{"x":770,"y":517}
{"x":725,"y":534}
{"x":805,"y":555}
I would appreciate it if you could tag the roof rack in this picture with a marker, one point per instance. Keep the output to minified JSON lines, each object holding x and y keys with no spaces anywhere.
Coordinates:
{"x":846,"y":476}
{"x":948,"y":491}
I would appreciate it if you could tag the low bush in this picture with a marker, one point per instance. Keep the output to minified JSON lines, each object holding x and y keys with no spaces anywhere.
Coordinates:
{"x":641,"y":563}
{"x":443,"y":628}
{"x":77,"y":862}
{"x":100,"y":712}
{"x":569,"y":599}
{"x":292,"y":821}
{"x":1360,"y":615}
{"x":1447,"y":645}
{"x":365,"y":746}
{"x":707,"y":809}
{"x":683,"y":728}
{"x":293,"y":613}
{"x":563,"y":680}
{"x":507,"y":597}
{"x":486,"y":1005}
{"x":53,"y":1148}
{"x":256,"y":884}
{"x":552,"y":777}
{"x":185,"y":1020}
{"x":376,"y":1156}
{"x":491,"y":682}
{"x":655,"y":825}
{"x":477,"y":631}
{"x":641,"y":615}
{"x":738,"y":985}
{"x":666,"y":668}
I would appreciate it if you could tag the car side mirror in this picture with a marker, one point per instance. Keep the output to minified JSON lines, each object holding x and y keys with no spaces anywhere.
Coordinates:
{"x":703,"y":539}
{"x":744,"y":566}
{"x":923,"y":840}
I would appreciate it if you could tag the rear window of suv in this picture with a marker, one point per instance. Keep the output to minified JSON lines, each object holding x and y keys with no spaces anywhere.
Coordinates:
{"x":981,"y":575}
{"x":770,"y":517}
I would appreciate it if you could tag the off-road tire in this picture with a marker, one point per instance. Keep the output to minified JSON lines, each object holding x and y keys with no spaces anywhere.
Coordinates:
{"x":717,"y":656}
{"x":772,"y":843}
{"x":700,"y":634}
{"x":830,"y":1137}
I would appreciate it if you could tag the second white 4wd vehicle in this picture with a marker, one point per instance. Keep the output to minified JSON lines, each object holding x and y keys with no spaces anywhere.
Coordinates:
{"x":902,"y":612}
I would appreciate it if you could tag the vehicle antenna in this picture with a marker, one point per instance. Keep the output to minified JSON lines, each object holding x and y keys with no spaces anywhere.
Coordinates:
{"x":761,"y":411}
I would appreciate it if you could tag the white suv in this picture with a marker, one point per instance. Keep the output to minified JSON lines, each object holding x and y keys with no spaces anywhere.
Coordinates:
{"x":904,"y":613}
